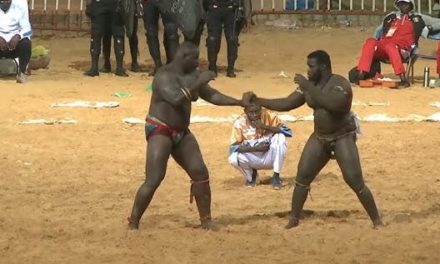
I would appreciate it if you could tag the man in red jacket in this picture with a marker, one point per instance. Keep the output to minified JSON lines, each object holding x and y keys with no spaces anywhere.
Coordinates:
{"x":401,"y":31}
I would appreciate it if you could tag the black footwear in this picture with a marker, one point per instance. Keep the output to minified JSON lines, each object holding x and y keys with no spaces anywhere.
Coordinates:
{"x":154,"y":71}
{"x":277,"y":183}
{"x":106,"y":69}
{"x":254,"y":175}
{"x":231,"y":74}
{"x":213,"y":68}
{"x":135,"y":67}
{"x":92,"y":72}
{"x":121,"y":72}
{"x":250,"y":184}
{"x":404,"y":85}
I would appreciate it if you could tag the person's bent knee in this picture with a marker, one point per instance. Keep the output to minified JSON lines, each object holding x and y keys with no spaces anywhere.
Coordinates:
{"x":212,"y":38}
{"x":301,"y":185}
{"x":304,"y":178}
{"x":279,"y":139}
{"x":391,"y":47}
{"x":172,"y":38}
{"x":232,"y":40}
{"x":24,"y":44}
{"x":152,"y":32}
{"x":198,"y":173}
{"x":153,"y":181}
{"x":233,"y":159}
{"x":170,"y":28}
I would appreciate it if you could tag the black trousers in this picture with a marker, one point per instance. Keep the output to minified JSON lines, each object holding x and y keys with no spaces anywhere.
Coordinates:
{"x":219,"y":18}
{"x":151,"y":24}
{"x":105,"y":13}
{"x":132,"y":40}
{"x":22,"y":52}
{"x":198,"y":33}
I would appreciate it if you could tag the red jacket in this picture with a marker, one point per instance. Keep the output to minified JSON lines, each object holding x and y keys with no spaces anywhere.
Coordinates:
{"x":400,"y":32}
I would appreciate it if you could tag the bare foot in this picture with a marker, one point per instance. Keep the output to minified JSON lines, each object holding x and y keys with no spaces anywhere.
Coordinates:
{"x":378,"y":224}
{"x":132,"y":225}
{"x":293,"y":222}
{"x":208,"y":224}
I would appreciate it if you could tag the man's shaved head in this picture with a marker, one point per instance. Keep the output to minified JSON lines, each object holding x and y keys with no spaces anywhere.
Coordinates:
{"x":186,"y":49}
{"x":188,"y":56}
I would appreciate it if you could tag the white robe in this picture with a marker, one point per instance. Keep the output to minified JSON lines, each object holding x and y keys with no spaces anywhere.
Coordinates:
{"x":271,"y":159}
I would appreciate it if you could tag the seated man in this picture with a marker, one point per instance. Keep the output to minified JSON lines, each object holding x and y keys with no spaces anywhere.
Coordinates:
{"x":15,"y":33}
{"x":258,"y":142}
{"x":401,"y":31}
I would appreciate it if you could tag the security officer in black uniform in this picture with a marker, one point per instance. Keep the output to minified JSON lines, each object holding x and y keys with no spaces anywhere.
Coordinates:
{"x":170,"y":38}
{"x":223,"y":13}
{"x":132,"y":40}
{"x":104,"y":12}
{"x":199,"y":30}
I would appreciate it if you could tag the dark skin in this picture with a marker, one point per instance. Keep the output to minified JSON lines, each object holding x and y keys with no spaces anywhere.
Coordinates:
{"x":169,"y":105}
{"x":253,"y":113}
{"x":12,"y":44}
{"x":404,"y":7}
{"x":330,"y":98}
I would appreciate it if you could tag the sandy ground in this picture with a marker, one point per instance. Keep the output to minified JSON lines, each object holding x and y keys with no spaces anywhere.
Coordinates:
{"x":66,"y":190}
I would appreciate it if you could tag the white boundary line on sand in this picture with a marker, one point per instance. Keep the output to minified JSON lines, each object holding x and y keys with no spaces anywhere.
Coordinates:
{"x":229,"y":119}
{"x":290,"y":118}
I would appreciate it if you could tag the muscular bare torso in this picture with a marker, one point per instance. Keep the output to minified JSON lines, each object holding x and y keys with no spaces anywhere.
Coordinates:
{"x":174,"y":116}
{"x":325,"y":121}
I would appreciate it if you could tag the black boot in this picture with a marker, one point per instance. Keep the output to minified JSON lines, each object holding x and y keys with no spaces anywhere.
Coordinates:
{"x":134,"y":51}
{"x":106,"y":48}
{"x":95,"y":48}
{"x":171,"y":43}
{"x":232,"y":56}
{"x":154,"y":48}
{"x":119,"y":54}
{"x":298,"y":199}
{"x":230,"y":72}
{"x":404,"y":83}
{"x":213,"y":44}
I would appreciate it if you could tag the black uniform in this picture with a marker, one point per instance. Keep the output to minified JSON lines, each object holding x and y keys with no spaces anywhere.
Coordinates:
{"x":170,"y":38}
{"x":132,"y":40}
{"x":199,"y":29}
{"x":103,"y":12}
{"x":223,"y":14}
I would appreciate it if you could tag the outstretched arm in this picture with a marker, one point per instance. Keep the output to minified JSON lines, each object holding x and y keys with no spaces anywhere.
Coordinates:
{"x":337,"y":98}
{"x":213,"y":96}
{"x":294,"y":100}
